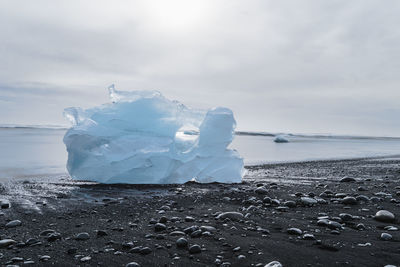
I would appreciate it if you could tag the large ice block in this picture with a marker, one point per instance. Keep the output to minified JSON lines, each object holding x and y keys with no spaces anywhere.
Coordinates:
{"x":144,"y":138}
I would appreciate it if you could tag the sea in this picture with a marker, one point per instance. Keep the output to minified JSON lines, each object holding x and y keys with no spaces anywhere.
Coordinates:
{"x":40,"y":151}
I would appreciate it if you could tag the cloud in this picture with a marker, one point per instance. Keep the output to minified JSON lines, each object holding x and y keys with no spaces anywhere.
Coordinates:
{"x":280,"y":65}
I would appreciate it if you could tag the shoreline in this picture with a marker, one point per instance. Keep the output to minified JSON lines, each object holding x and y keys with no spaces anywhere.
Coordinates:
{"x":142,"y":223}
{"x":267,"y":164}
{"x":246,"y":167}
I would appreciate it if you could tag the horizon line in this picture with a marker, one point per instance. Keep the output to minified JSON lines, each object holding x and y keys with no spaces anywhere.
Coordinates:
{"x":237,"y":132}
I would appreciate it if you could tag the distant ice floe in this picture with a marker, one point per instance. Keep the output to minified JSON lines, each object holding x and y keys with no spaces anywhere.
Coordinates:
{"x":144,"y":138}
{"x":281,"y":139}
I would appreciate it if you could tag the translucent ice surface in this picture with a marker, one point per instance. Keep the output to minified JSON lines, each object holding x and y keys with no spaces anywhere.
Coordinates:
{"x":144,"y":138}
{"x":281,"y":139}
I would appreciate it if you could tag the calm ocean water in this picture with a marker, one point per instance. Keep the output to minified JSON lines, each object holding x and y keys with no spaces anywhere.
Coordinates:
{"x":34,"y":152}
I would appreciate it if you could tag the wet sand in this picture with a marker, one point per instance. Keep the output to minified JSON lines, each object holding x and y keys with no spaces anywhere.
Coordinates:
{"x":113,"y":225}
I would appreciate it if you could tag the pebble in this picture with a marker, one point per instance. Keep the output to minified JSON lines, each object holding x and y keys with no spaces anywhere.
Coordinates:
{"x":85,"y":259}
{"x":175,"y":219}
{"x":182,"y":242}
{"x":6,"y":242}
{"x":53,"y":237}
{"x":47,"y":232}
{"x":232,"y":215}
{"x":267,"y":200}
{"x":133,"y":264}
{"x":334,"y":225}
{"x":340,"y":195}
{"x":14,"y":223}
{"x":384,"y":216}
{"x":274,"y":264}
{"x":251,"y":208}
{"x":158,"y":227}
{"x":44,"y":258}
{"x":375,"y":199}
{"x":294,"y":231}
{"x":135,"y":250}
{"x":346,"y":216}
{"x":261,"y":191}
{"x":82,"y":236}
{"x":165,"y":207}
{"x":127,"y":245}
{"x":262,"y":230}
{"x":191,"y":229}
{"x":364,"y":244}
{"x":308,"y":237}
{"x":196,"y":234}
{"x":31,"y":241}
{"x":189,"y":219}
{"x":145,"y":251}
{"x":323,"y":222}
{"x":290,"y":204}
{"x":176,"y":233}
{"x":349,"y":201}
{"x":20,"y":244}
{"x":275,"y":202}
{"x":17,"y":259}
{"x":206,"y":233}
{"x":362,"y":198}
{"x":335,"y":232}
{"x":347,"y":180}
{"x":194,"y":249}
{"x":391,"y":228}
{"x":360,"y":226}
{"x":163,"y":219}
{"x":308,"y":201}
{"x":102,"y":233}
{"x":205,"y":228}
{"x":282,"y":208}
{"x":386,"y":236}
{"x":4,"y":203}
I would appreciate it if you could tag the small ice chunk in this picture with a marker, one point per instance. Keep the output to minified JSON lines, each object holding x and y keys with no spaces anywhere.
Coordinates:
{"x":281,"y":139}
{"x":144,"y":138}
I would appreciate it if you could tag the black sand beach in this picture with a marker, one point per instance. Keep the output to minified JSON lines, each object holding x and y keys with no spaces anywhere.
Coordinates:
{"x":300,"y":214}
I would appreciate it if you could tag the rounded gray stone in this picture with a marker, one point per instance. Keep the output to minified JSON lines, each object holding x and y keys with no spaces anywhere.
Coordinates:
{"x":274,"y":264}
{"x":13,"y":223}
{"x":386,"y":236}
{"x":82,"y":236}
{"x":349,"y":201}
{"x":194,"y":249}
{"x":294,"y":231}
{"x":384,"y":216}
{"x":182,"y":242}
{"x":308,"y":201}
{"x":232,"y":215}
{"x":6,"y":242}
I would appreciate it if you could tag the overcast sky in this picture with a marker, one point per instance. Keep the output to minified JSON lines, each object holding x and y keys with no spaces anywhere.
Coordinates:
{"x":293,"y":66}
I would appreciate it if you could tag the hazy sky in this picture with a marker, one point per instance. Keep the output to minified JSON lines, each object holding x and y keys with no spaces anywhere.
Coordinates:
{"x":295,"y":66}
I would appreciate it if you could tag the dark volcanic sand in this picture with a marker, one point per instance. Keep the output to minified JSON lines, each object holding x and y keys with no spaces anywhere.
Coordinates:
{"x":127,"y":214}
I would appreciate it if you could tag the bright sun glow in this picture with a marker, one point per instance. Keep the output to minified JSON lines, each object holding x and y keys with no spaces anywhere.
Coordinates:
{"x":177,"y":15}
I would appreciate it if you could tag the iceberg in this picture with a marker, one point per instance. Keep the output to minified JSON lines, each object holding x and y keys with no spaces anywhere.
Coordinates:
{"x":141,"y":137}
